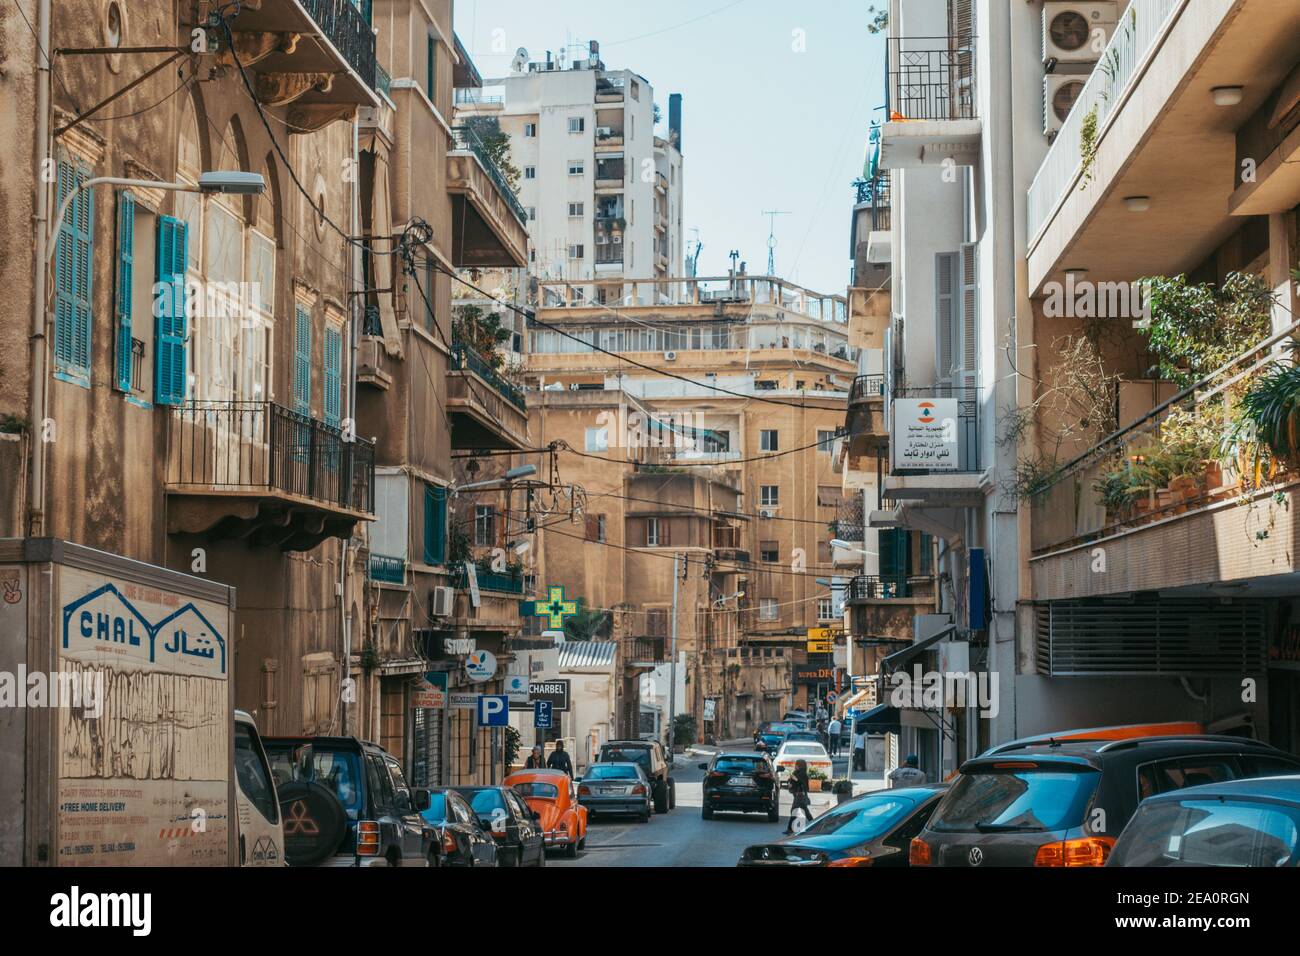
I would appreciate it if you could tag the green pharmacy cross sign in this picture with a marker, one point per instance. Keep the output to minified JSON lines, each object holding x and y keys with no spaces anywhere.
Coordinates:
{"x":555,"y":609}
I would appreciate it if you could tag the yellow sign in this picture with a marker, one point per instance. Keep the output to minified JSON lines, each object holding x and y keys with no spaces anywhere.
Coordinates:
{"x":821,"y":634}
{"x":820,"y":647}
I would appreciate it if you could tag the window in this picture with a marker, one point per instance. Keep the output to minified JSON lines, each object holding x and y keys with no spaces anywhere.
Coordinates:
{"x":333,"y":374}
{"x":302,"y":360}
{"x":767,"y":610}
{"x":484,"y":526}
{"x":532,"y":213}
{"x":530,"y":130}
{"x":575,"y":209}
{"x":656,"y":532}
{"x":769,"y":496}
{"x":577,"y":167}
{"x":656,"y":622}
{"x":767,"y":440}
{"x":435,"y":524}
{"x":431,"y":51}
{"x":825,"y":440}
{"x":427,"y":295}
{"x":577,"y":124}
{"x":597,"y":439}
{"x":73,"y":271}
{"x":576,"y":251}
{"x":600,"y":528}
{"x":769,"y":552}
{"x":825,"y":609}
{"x":253,"y":773}
{"x":530,"y":172}
{"x":1165,"y":775}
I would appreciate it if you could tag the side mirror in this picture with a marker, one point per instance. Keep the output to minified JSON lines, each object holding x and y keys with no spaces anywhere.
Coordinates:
{"x":704,"y":766}
{"x":421,"y":799}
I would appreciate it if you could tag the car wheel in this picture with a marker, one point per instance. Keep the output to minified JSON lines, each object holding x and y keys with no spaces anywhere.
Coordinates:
{"x":661,"y":798}
{"x":541,"y":856}
{"x":706,"y":813}
{"x":433,"y":858}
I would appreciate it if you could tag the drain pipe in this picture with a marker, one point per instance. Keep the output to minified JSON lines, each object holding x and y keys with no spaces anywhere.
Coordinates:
{"x":37,"y":394}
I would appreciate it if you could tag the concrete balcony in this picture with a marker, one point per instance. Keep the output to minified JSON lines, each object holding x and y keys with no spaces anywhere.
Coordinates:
{"x":930,"y":102}
{"x":258,"y":471}
{"x":489,"y":224}
{"x":884,"y":608}
{"x":486,"y":411}
{"x":374,"y":367}
{"x":1161,"y":136}
{"x":316,"y":57}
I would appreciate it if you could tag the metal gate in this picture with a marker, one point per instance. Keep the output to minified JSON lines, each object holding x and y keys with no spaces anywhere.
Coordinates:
{"x":426,"y":748}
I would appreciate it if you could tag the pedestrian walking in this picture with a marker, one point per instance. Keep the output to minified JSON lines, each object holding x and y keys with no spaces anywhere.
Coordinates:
{"x":559,"y":760}
{"x":535,"y":759}
{"x":833,"y":729}
{"x":859,"y":750}
{"x":799,"y":793}
{"x":908,"y":775}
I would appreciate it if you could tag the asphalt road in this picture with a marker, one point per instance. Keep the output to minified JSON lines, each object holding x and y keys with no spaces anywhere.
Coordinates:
{"x":682,"y":837}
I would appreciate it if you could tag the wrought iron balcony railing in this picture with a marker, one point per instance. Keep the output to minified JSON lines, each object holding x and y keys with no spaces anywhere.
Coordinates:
{"x":264,"y":447}
{"x":466,"y":138}
{"x":464,"y":358}
{"x":930,"y":78}
{"x":865,"y":387}
{"x":350,"y":32}
{"x":875,"y":587}
{"x":502,"y":581}
{"x":960,"y":429}
{"x":386,"y":569}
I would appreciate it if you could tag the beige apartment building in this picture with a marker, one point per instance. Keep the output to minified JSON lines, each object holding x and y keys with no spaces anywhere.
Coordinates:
{"x":711,"y":437}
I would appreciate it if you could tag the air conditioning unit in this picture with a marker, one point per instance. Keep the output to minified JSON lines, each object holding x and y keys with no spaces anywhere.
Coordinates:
{"x":1075,"y":31}
{"x":1059,"y":93}
{"x":604,"y":130}
{"x":442,"y":602}
{"x":670,"y":356}
{"x":765,"y":513}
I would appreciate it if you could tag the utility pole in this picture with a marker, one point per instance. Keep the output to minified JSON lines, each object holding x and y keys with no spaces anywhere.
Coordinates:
{"x":771,"y":237}
{"x":672,"y":659}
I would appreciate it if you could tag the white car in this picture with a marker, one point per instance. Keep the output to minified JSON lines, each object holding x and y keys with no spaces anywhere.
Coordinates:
{"x":811,"y":752}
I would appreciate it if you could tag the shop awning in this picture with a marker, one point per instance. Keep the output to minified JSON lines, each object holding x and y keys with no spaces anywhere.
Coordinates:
{"x":904,"y":657}
{"x":878,"y":720}
{"x":848,"y":703}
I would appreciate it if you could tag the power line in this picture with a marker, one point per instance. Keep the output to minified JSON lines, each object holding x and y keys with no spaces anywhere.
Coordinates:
{"x":562,"y":445}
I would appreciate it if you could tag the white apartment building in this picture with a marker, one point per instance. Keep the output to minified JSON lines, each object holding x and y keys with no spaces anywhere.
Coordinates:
{"x":602,"y":190}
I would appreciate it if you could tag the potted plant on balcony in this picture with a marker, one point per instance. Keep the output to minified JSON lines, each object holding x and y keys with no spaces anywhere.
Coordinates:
{"x":1271,"y":413}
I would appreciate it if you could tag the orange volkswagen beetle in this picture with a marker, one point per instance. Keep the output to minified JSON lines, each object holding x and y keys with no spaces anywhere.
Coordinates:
{"x":551,"y":794}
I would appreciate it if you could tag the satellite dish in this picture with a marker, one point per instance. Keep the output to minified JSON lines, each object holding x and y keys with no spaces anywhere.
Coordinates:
{"x":520,"y":62}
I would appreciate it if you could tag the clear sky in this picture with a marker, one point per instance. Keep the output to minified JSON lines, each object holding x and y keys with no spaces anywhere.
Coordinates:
{"x":778,"y":98}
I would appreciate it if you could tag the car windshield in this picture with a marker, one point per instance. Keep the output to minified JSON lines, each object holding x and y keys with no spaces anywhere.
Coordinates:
{"x":737,"y":765}
{"x":861,"y":820}
{"x":542,"y":791}
{"x":437,"y":812}
{"x":483,"y":802}
{"x":638,"y":755}
{"x":1023,"y":799}
{"x":1210,"y":833}
{"x":786,"y":728}
{"x":804,"y":750}
{"x":610,"y":771}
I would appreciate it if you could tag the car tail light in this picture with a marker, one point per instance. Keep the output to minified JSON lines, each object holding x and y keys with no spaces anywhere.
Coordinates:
{"x":851,"y":861}
{"x":584,"y":789}
{"x":763,"y":775}
{"x":716,"y":775}
{"x":918,"y":853}
{"x":639,"y":789}
{"x":1086,"y":851}
{"x":368,"y":838}
{"x":448,"y":842}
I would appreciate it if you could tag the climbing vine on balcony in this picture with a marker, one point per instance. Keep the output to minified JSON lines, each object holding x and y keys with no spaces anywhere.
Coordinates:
{"x":1088,"y":130}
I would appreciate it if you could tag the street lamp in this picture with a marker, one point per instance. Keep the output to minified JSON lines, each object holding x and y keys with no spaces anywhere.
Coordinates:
{"x":719,"y":602}
{"x":523,"y":471}
{"x":849,"y":546}
{"x":226,"y":182}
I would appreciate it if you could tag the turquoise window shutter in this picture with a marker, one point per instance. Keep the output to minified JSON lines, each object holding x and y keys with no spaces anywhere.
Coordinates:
{"x":302,"y":361}
{"x":125,"y":277}
{"x":333,"y":376}
{"x":171,"y":254}
{"x":435,"y":525}
{"x":73,"y":266}
{"x":431,"y":50}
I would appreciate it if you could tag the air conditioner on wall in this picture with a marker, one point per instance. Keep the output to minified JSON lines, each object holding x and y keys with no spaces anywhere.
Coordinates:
{"x":442,"y":602}
{"x":670,"y":356}
{"x":1059,"y":93}
{"x":1076,"y":31}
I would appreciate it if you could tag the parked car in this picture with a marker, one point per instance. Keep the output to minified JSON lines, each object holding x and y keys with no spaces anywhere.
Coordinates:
{"x":1236,"y":823}
{"x":797,"y":715}
{"x":649,"y":755}
{"x":346,"y":802}
{"x":616,"y":788}
{"x":811,"y":752}
{"x":1063,"y":803}
{"x":515,"y":828}
{"x":769,"y":742}
{"x":874,"y":829}
{"x":740,"y":781}
{"x":803,"y":735}
{"x":464,"y":841}
{"x":553,"y":796}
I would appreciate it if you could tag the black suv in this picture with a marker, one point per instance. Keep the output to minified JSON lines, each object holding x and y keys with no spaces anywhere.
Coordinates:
{"x":345,"y":802}
{"x":649,"y":754}
{"x":1063,"y":803}
{"x":740,"y":781}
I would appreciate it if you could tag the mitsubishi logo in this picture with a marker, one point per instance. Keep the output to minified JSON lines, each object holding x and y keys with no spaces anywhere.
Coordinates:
{"x":976,"y":856}
{"x":297,"y":820}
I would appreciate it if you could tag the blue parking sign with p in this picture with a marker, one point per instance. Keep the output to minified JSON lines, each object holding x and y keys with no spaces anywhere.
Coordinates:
{"x":542,"y":710}
{"x":493,"y":710}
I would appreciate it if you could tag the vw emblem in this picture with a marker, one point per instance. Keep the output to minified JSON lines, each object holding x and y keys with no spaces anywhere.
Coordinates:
{"x":976,"y":856}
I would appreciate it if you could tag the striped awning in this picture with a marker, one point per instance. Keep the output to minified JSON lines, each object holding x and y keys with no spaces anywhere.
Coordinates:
{"x":575,"y":655}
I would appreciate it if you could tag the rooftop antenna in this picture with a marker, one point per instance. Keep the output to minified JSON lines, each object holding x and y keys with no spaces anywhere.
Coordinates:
{"x":771,"y":237}
{"x":693,"y":257}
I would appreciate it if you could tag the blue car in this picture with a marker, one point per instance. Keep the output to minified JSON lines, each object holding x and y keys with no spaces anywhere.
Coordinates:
{"x":616,"y":788}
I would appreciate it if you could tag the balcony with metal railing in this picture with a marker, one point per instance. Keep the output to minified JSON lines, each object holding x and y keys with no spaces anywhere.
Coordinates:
{"x":930,"y":99}
{"x":883,"y":607}
{"x":489,"y":223}
{"x":334,"y":39}
{"x":487,"y":410}
{"x":259,"y":470}
{"x":934,"y":442}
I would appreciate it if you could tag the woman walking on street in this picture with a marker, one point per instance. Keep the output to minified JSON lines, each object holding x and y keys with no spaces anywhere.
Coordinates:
{"x":799,"y":791}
